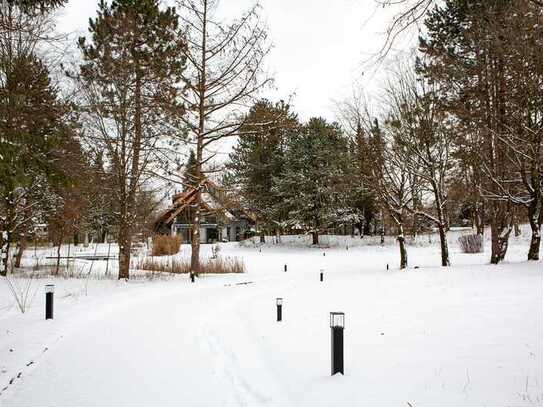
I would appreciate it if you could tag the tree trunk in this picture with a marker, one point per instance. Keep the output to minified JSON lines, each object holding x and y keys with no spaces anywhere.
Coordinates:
{"x":383,"y":228}
{"x":21,"y":246}
{"x":125,"y":244}
{"x":403,"y":249}
{"x":445,"y":262}
{"x":415,"y":226}
{"x":479,"y":219}
{"x":500,"y":242}
{"x":533,"y":253}
{"x":128,"y":203}
{"x":68,"y":257}
{"x":360,"y":228}
{"x":315,"y":238}
{"x":195,"y":244}
{"x":518,"y":232}
{"x":5,"y":241}
{"x":58,"y":257}
{"x":516,"y":225}
{"x":202,"y":96}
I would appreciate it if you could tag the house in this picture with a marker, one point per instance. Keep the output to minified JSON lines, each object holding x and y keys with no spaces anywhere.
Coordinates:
{"x":222,"y":219}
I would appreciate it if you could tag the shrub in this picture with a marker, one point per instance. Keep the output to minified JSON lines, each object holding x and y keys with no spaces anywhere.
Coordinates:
{"x":164,"y":245}
{"x":222,"y":265}
{"x":471,"y":243}
{"x":228,"y":265}
{"x":23,"y":289}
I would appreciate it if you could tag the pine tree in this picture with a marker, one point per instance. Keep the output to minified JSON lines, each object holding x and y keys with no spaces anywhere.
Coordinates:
{"x":33,"y":6}
{"x":30,"y":128}
{"x":258,"y":157}
{"x":483,"y":56}
{"x":132,"y":68}
{"x":189,"y":177}
{"x":312,"y":184}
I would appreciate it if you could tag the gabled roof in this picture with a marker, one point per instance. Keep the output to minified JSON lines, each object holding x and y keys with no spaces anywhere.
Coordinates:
{"x":211,"y":201}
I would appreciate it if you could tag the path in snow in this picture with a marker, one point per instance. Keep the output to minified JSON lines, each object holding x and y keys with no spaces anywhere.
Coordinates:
{"x":468,"y":336}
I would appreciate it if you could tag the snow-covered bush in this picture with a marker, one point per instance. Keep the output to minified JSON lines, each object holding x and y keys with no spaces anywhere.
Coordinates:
{"x":471,"y":243}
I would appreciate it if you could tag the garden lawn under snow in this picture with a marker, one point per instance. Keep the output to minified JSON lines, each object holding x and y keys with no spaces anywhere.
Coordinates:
{"x":469,"y":335}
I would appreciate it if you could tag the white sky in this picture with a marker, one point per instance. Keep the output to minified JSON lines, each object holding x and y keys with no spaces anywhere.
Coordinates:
{"x":320,"y":46}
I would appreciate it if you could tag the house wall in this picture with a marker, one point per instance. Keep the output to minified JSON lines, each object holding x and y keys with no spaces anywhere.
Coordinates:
{"x":185,"y":233}
{"x":232,"y":231}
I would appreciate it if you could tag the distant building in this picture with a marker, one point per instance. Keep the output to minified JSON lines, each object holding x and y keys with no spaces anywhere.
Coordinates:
{"x":222,"y":219}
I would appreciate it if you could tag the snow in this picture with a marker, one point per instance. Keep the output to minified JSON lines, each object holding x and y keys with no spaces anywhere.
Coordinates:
{"x":471,"y":335}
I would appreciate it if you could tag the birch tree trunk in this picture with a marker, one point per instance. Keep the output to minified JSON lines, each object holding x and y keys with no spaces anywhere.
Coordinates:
{"x":5,"y":242}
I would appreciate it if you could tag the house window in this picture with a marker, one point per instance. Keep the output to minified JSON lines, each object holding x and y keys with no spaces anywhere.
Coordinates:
{"x":211,"y":220}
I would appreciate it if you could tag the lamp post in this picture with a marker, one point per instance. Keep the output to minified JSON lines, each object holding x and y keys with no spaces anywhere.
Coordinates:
{"x":49,"y":293}
{"x":337,"y":325}
{"x":279,"y":303}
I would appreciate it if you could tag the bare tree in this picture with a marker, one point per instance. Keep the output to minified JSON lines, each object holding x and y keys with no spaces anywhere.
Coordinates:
{"x":225,"y":73}
{"x":426,"y":141}
{"x":391,"y":182}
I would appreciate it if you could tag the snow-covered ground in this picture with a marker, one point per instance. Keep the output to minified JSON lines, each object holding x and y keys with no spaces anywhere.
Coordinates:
{"x":471,"y":335}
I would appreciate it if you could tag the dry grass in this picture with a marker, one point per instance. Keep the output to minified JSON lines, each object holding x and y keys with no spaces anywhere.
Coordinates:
{"x":471,"y":243}
{"x":166,"y":245}
{"x":226,"y":265}
{"x":223,"y":265}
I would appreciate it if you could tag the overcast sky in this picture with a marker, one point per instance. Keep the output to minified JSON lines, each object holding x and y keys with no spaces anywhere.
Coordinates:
{"x":320,"y":46}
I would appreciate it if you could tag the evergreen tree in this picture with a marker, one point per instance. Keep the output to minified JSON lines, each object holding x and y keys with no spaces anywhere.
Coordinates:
{"x":483,"y":55}
{"x":33,"y":6}
{"x":312,"y":186}
{"x":132,"y":68}
{"x":258,"y":157}
{"x":30,"y":130}
{"x":189,"y":177}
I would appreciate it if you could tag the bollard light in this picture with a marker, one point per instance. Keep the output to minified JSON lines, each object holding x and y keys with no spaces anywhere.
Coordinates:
{"x":324,"y":254}
{"x":322,"y":275}
{"x":279,"y":303}
{"x":337,"y":325}
{"x":49,"y":293}
{"x":387,"y":266}
{"x":285,"y":268}
{"x":192,"y":277}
